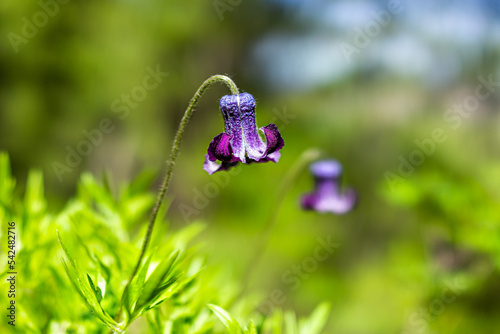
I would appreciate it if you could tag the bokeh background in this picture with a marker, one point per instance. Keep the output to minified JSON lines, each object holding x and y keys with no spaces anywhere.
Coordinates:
{"x":366,"y":85}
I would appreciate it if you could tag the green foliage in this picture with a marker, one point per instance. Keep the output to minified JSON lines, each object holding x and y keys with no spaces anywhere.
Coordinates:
{"x":455,"y":203}
{"x":277,"y":323}
{"x":79,"y":260}
{"x":231,"y":324}
{"x":87,"y":290}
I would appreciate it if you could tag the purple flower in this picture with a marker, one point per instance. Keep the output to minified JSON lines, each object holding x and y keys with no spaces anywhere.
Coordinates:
{"x":327,"y":196}
{"x":241,"y":141}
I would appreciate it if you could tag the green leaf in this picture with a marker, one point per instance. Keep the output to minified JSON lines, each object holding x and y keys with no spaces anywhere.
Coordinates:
{"x":34,"y":199}
{"x":317,"y":320}
{"x":96,"y":191}
{"x":86,"y":289}
{"x":163,"y":292}
{"x":290,"y":320}
{"x":7,"y":183}
{"x":83,"y":243}
{"x":73,"y":276}
{"x":96,"y":289}
{"x":134,"y":290}
{"x":68,"y":255}
{"x":252,"y":328}
{"x":231,"y":324}
{"x":137,"y":206}
{"x":104,"y":269}
{"x":274,"y":324}
{"x":154,"y":282}
{"x":154,"y":322}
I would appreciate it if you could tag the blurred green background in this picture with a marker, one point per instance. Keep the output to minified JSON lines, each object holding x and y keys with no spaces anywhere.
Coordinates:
{"x":366,"y":85}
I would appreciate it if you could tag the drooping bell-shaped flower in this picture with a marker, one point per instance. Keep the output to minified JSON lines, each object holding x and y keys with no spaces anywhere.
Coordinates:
{"x":327,"y":196}
{"x":241,"y":141}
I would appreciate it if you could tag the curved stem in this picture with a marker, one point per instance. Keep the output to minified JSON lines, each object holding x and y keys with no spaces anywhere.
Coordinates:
{"x":171,"y":162}
{"x":290,"y":178}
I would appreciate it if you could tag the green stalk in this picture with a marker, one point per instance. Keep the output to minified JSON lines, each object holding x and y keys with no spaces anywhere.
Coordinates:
{"x":290,"y":179}
{"x":171,"y":162}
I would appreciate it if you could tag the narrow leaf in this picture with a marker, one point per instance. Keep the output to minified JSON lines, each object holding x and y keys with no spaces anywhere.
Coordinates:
{"x":87,"y":293}
{"x":96,"y":289}
{"x":291,"y":326}
{"x":317,"y":320}
{"x":134,"y":290}
{"x":231,"y":324}
{"x":252,"y":329}
{"x":164,"y":292}
{"x":155,"y":281}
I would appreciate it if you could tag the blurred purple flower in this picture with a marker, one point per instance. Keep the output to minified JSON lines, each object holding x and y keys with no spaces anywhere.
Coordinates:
{"x":241,"y":141}
{"x":327,"y":196}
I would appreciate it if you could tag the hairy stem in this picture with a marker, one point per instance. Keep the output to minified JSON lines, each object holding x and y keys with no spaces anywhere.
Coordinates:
{"x":171,"y":162}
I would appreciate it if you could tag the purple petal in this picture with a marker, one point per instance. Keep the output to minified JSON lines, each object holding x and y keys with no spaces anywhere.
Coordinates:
{"x":241,"y":141}
{"x":274,"y":141}
{"x":331,"y":169}
{"x":308,"y":201}
{"x":254,"y":146}
{"x":333,"y":203}
{"x":274,"y":157}
{"x":339,"y":204}
{"x":274,"y":144}
{"x":327,"y":197}
{"x":211,"y":166}
{"x":232,"y":121}
{"x":220,"y":148}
